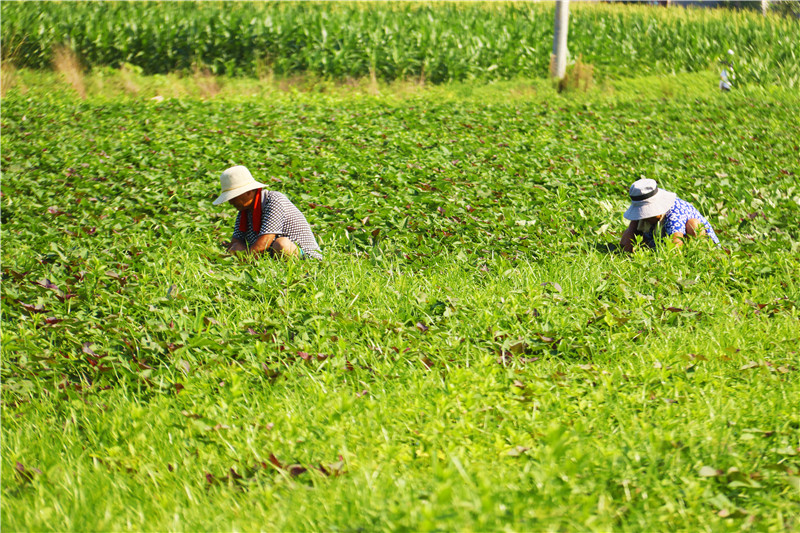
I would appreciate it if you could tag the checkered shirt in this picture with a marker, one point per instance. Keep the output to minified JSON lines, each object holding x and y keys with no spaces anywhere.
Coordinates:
{"x":280,"y":217}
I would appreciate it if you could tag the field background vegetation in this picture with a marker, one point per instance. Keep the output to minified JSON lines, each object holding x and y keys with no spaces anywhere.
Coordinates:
{"x":398,"y":40}
{"x":471,"y":354}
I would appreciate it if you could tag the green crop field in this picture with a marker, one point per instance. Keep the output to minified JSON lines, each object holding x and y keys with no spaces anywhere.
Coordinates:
{"x":435,"y":42}
{"x":471,"y":355}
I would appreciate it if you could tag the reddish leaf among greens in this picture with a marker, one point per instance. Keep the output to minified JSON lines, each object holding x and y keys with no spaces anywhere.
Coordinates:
{"x":296,"y":470}
{"x":46,"y":284}
{"x":26,"y":473}
{"x":518,"y":347}
{"x":33,"y":308}
{"x":274,"y":461}
{"x":16,"y":275}
{"x":88,"y":350}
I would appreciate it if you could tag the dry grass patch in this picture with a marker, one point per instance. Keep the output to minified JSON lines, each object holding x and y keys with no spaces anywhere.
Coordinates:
{"x":8,"y":77}
{"x":264,"y":71}
{"x":128,"y":76}
{"x":66,"y":62}
{"x":206,"y":82}
{"x":373,"y":82}
{"x":579,"y":76}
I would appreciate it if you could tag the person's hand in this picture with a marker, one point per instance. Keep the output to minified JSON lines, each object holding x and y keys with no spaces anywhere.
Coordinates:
{"x":694,"y":227}
{"x":237,"y":246}
{"x":626,"y":242}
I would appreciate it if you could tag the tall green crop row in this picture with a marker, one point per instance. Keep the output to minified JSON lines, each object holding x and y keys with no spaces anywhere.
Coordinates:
{"x":437,"y":42}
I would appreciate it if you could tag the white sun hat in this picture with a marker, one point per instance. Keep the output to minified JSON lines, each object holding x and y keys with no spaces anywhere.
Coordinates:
{"x":235,"y":181}
{"x":647,"y":200}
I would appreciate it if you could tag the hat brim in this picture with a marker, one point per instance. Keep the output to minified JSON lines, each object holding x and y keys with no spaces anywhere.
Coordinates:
{"x":657,"y":205}
{"x":233,"y":193}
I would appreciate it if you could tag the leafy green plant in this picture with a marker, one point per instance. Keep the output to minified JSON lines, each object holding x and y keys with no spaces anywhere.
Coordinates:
{"x":470,"y":355}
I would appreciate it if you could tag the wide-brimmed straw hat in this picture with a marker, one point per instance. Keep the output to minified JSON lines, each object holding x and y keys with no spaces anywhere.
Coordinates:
{"x":235,"y":181}
{"x":647,"y":200}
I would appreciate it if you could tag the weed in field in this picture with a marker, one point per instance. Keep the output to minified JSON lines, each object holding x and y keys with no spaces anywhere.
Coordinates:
{"x":207,"y":83}
{"x":66,"y":62}
{"x":264,"y":71}
{"x":129,"y":73}
{"x":8,"y":77}
{"x":579,"y":76}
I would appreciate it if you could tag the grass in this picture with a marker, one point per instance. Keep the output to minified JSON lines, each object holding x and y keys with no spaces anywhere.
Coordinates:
{"x":66,"y":63}
{"x":441,"y":435}
{"x":128,"y":83}
{"x":461,"y":360}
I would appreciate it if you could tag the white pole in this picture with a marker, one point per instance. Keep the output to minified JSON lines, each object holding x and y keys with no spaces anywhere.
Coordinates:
{"x":558,"y":63}
{"x":764,"y":6}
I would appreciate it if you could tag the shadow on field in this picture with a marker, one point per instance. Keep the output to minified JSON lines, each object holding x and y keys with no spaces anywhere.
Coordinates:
{"x":607,"y":248}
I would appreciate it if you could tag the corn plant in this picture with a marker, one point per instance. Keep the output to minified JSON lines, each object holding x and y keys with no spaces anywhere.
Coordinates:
{"x":435,"y":42}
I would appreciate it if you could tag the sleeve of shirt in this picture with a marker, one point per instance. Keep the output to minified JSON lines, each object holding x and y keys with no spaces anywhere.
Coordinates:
{"x":272,"y":216}
{"x":236,"y":233}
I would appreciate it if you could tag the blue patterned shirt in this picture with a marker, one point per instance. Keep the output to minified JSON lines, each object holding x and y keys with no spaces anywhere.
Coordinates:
{"x":675,"y":219}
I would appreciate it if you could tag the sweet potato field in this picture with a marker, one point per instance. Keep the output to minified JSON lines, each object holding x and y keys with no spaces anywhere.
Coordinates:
{"x":473,"y":354}
{"x":470,"y":354}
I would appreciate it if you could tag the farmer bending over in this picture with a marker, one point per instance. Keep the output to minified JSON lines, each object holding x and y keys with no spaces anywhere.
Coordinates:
{"x":655,"y":210}
{"x":267,"y":220}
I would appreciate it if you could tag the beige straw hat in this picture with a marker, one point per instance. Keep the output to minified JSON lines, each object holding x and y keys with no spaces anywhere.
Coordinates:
{"x":235,"y":181}
{"x":647,"y":200}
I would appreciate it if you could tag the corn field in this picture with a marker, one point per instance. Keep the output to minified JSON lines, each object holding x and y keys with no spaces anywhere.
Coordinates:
{"x":435,"y":42}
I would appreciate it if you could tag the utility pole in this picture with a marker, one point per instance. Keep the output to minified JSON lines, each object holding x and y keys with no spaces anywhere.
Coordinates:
{"x":558,"y":61}
{"x":764,"y":6}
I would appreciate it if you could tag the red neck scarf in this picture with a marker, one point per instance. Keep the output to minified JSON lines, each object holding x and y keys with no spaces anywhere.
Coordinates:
{"x":256,"y":216}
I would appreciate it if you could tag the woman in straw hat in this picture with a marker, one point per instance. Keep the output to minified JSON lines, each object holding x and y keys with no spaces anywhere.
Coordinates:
{"x":267,"y":220}
{"x":656,"y":211}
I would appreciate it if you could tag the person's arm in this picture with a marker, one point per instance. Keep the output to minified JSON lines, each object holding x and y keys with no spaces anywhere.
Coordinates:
{"x":262,"y":244}
{"x":693,"y":227}
{"x":238,"y":243}
{"x":272,"y":221}
{"x":626,"y":242}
